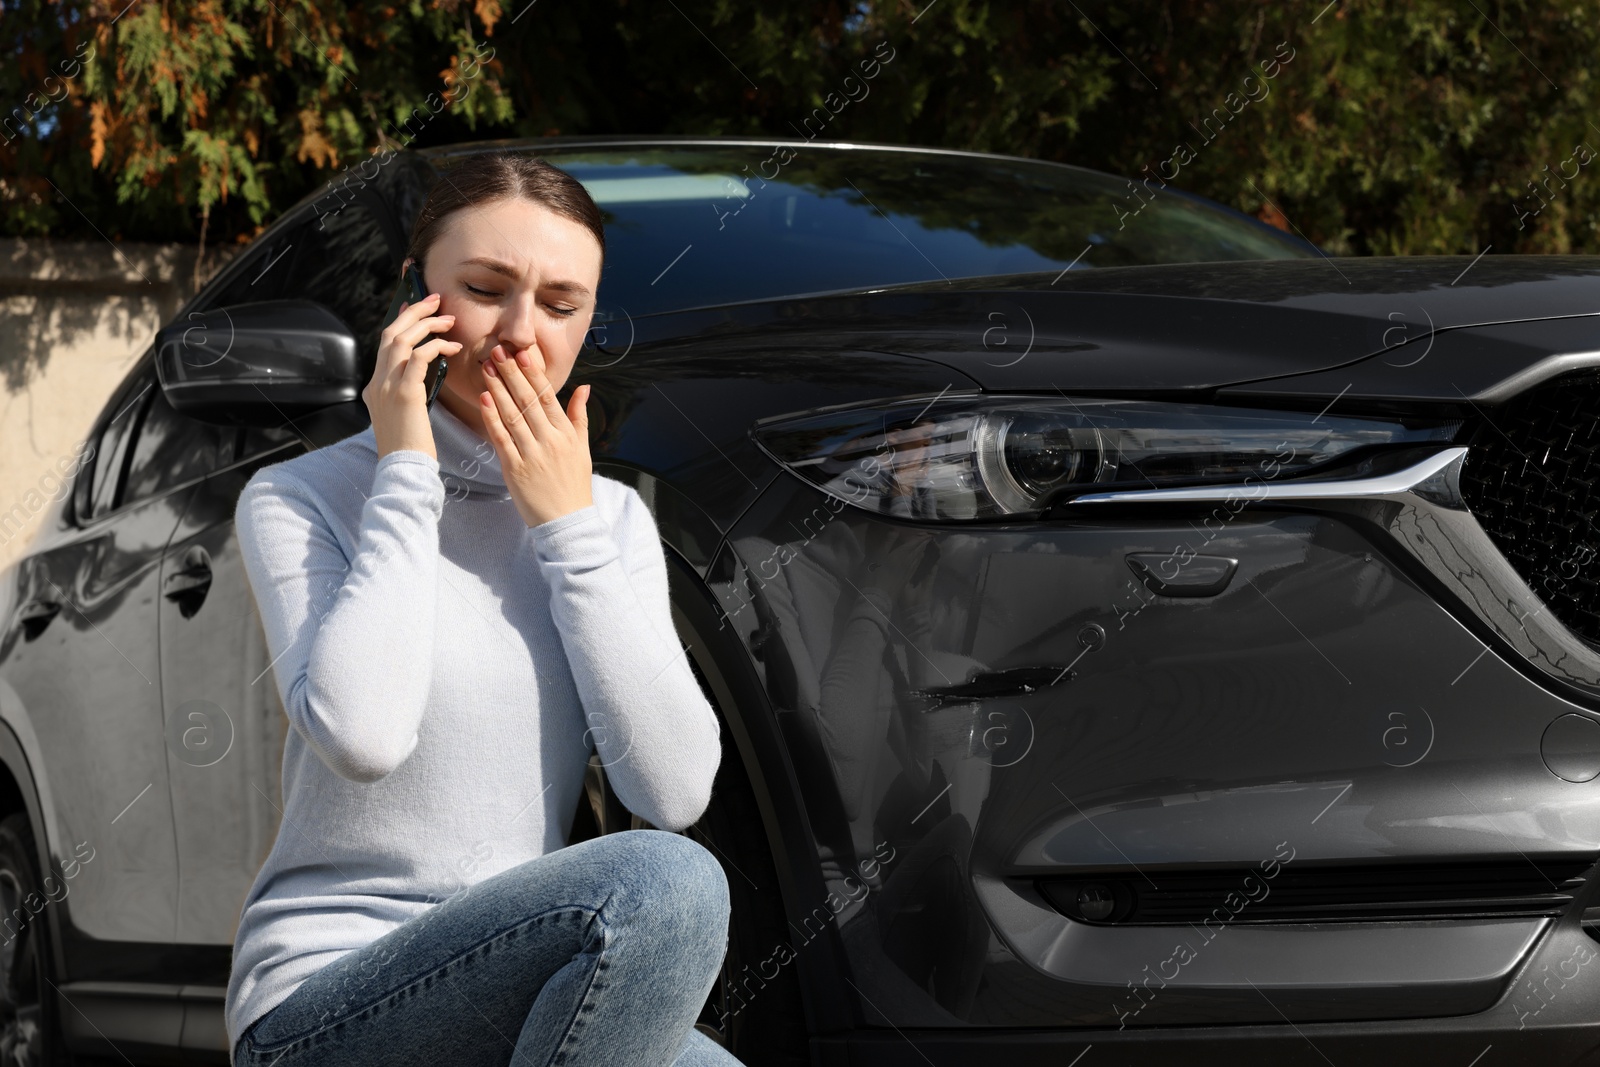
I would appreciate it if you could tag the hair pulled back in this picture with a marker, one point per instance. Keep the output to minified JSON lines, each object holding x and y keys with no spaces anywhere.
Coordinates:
{"x":485,"y":177}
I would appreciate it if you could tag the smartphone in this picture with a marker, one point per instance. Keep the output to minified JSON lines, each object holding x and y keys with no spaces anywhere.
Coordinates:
{"x":410,"y":290}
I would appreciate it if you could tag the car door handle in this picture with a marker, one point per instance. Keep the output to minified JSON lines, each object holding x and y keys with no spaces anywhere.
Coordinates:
{"x":35,"y":615}
{"x":188,"y":581}
{"x":188,"y":587}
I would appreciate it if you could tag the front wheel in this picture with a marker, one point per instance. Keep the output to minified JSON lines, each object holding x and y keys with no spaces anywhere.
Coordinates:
{"x":755,"y":1009}
{"x":29,"y":1034}
{"x":757,"y":1017}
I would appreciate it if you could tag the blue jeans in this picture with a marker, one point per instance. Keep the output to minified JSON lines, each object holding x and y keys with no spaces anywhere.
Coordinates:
{"x":602,"y":952}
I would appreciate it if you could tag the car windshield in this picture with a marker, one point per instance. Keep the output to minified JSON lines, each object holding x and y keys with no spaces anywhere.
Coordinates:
{"x":698,"y":226}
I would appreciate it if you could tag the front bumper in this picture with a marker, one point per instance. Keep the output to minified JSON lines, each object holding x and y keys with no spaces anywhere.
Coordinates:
{"x":1196,"y":731}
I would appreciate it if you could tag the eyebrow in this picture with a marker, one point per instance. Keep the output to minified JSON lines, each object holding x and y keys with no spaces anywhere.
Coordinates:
{"x":501,"y":267}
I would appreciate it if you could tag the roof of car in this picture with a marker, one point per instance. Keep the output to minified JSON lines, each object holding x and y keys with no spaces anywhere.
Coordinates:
{"x":621,"y":140}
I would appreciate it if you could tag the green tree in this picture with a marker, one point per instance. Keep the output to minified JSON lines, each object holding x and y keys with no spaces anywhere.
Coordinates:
{"x":1428,"y":127}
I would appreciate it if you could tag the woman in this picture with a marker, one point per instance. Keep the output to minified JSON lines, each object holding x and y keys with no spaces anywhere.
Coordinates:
{"x":459,"y":611}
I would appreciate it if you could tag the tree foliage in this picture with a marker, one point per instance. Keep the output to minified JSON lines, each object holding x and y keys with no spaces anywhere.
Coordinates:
{"x":1426,"y":127}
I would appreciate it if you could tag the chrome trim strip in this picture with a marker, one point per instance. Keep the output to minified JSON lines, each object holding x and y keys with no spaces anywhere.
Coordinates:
{"x":1422,"y":510}
{"x":1401,"y":481}
{"x":1540,"y":372}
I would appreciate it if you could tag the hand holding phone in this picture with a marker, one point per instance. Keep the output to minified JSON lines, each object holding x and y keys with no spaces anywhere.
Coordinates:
{"x":409,"y":367}
{"x":412,"y":289}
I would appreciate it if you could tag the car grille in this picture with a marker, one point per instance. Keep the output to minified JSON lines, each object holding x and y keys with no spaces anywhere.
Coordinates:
{"x":1304,"y":893}
{"x":1530,"y":478}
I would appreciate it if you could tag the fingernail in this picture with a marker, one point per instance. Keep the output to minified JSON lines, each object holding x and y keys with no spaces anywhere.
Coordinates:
{"x":488,"y":368}
{"x":522,"y":359}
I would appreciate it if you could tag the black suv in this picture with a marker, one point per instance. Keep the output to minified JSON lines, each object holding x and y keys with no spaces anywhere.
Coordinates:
{"x":1132,"y":627}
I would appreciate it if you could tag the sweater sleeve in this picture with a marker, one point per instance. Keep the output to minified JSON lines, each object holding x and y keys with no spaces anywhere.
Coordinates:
{"x":351,"y":640}
{"x":656,"y":734}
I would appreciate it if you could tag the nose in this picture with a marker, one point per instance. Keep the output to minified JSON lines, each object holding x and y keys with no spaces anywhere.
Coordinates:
{"x":516,"y":326}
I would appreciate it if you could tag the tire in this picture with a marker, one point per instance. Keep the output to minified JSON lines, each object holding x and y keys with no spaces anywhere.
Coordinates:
{"x":760,"y":1019}
{"x":30,"y":1033}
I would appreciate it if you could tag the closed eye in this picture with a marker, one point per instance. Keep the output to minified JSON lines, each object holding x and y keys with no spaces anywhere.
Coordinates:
{"x":475,"y":291}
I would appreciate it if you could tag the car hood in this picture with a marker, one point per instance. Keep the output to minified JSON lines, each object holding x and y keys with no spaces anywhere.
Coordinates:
{"x":1192,"y":326}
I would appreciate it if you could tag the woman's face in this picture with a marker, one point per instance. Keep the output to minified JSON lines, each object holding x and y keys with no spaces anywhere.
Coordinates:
{"x":514,"y":274}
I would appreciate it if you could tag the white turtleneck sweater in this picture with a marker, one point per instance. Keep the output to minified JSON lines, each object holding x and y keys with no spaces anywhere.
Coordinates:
{"x":447,"y":671}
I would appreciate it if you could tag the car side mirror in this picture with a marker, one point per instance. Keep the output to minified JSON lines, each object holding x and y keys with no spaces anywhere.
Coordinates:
{"x":260,"y":364}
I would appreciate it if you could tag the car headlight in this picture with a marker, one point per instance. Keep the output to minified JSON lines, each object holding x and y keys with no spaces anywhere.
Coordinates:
{"x":988,"y":456}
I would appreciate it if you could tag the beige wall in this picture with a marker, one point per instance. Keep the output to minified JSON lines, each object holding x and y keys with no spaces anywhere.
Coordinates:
{"x":74,"y":316}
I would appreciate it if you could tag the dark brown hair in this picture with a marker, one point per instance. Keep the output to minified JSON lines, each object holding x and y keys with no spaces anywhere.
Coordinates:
{"x":489,"y":176}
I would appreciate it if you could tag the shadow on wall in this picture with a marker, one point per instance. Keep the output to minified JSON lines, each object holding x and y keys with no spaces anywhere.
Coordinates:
{"x":64,"y":296}
{"x":75,"y":316}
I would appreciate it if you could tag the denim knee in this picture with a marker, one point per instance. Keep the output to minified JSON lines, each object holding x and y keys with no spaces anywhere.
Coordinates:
{"x":668,"y":879}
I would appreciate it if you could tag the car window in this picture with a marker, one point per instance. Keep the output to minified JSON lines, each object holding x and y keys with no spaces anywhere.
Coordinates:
{"x":696,"y":226}
{"x":259,"y":439}
{"x":260,"y":275}
{"x":170,"y":448}
{"x":339,"y":258}
{"x":104,"y":470}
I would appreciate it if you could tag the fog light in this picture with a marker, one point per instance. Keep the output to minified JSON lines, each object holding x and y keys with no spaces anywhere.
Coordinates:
{"x":1095,"y":903}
